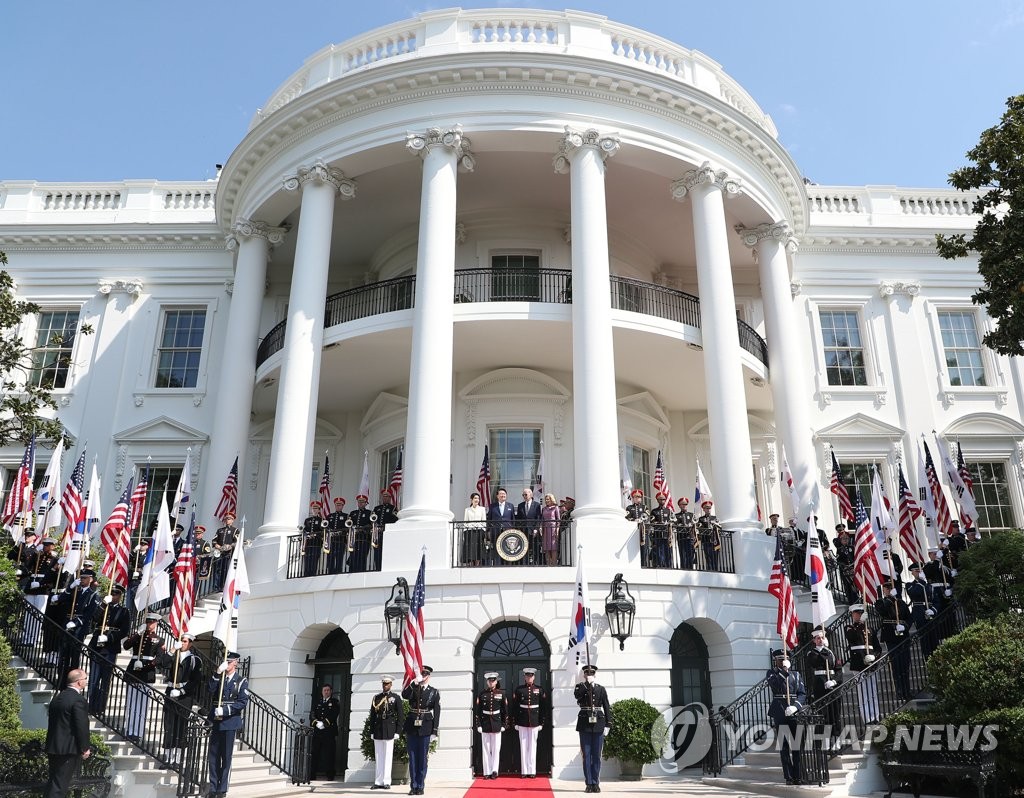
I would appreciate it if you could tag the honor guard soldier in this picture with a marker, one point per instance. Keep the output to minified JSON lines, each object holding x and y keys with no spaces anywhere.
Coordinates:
{"x":824,"y":672}
{"x":773,"y":529}
{"x":957,"y":544}
{"x":387,"y":716}
{"x":135,"y":579}
{"x":204,"y":553}
{"x":788,"y":696}
{"x":864,"y":650}
{"x":593,"y":724}
{"x":661,"y":524}
{"x":323,"y":717}
{"x":845,"y":558}
{"x":421,"y":725}
{"x":637,"y":512}
{"x":79,"y":604}
{"x":531,"y":706}
{"x":491,"y":718}
{"x":686,"y":535}
{"x":113,"y":625}
{"x":183,"y":686}
{"x":313,"y":529}
{"x":921,"y":611}
{"x":23,"y":554}
{"x":336,"y":533}
{"x":145,"y":646}
{"x":796,"y":564}
{"x":224,"y":542}
{"x":710,"y":532}
{"x":231,"y":691}
{"x":940,"y":580}
{"x":386,"y":513}
{"x":895,"y":615}
{"x":361,"y":531}
{"x":41,"y":575}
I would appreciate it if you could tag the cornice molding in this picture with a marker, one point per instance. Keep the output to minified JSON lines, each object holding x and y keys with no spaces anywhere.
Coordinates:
{"x":110,"y":241}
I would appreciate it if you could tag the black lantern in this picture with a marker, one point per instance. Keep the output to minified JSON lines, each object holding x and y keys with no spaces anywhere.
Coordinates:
{"x":620,"y":610}
{"x":396,"y":610}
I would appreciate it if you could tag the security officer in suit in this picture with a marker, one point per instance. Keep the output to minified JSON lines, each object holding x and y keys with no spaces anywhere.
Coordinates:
{"x":313,"y":529}
{"x":204,"y":553}
{"x":531,"y":708}
{"x":231,"y":691}
{"x":185,"y":679}
{"x":710,"y":532}
{"x":323,"y":717}
{"x":686,"y":535}
{"x":421,"y":726}
{"x":145,"y":646}
{"x":895,"y":615}
{"x":661,"y":523}
{"x":224,"y":542}
{"x":824,"y":673}
{"x":337,"y":537}
{"x":112,"y":625}
{"x":864,"y":650}
{"x":491,"y":718}
{"x":593,"y":723}
{"x":362,"y":528}
{"x":67,"y":735}
{"x":921,"y":611}
{"x":387,"y":716}
{"x":788,"y":696}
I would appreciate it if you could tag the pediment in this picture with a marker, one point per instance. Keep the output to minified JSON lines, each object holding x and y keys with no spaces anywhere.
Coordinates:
{"x":643,"y":405}
{"x":983,"y":425}
{"x":162,"y":429}
{"x":323,"y":431}
{"x":385,"y":407}
{"x":861,"y":426}
{"x":760,"y":429}
{"x":514,"y":383}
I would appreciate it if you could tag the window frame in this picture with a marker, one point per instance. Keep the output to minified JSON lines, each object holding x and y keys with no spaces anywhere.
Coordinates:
{"x":513,"y":489}
{"x":876,"y":389}
{"x":974,"y":467}
{"x":646,"y":481}
{"x":862,"y":348}
{"x":201,"y":366}
{"x":979,"y":347}
{"x":995,"y":387}
{"x":386,"y":466}
{"x":69,"y":376}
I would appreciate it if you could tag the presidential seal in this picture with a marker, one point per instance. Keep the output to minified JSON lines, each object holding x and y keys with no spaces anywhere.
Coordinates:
{"x":512,"y":545}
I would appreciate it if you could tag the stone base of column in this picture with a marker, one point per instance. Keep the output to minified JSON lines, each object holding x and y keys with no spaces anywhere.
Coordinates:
{"x":404,"y":542}
{"x":754,"y":553}
{"x":610,"y":543}
{"x":266,"y":555}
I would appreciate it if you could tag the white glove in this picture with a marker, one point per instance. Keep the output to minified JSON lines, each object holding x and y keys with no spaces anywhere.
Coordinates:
{"x":785,"y":663}
{"x":830,"y":684}
{"x":479,"y":729}
{"x":319,"y":724}
{"x":790,"y":710}
{"x":101,"y":639}
{"x":948,"y":591}
{"x":433,"y":738}
{"x":137,"y":665}
{"x":75,"y":584}
{"x":33,"y":585}
{"x":893,"y":593}
{"x":175,"y":645}
{"x":517,"y":728}
{"x":136,"y":574}
{"x":606,"y":730}
{"x":222,"y":667}
{"x":900,"y":627}
{"x":929,"y":612}
{"x":952,"y":572}
{"x":175,"y":693}
{"x":141,"y":630}
{"x":108,"y":599}
{"x":18,"y":572}
{"x":60,"y":560}
{"x":396,"y":736}
{"x":69,"y":625}
{"x":218,"y":712}
{"x":539,"y":728}
{"x":922,"y":577}
{"x":869,"y":658}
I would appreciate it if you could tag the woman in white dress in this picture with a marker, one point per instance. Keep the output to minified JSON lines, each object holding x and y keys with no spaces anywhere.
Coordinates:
{"x":473,"y":532}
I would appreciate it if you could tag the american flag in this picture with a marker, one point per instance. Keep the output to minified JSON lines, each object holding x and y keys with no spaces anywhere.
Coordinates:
{"x":114,"y":538}
{"x":483,"y":482}
{"x":325,"y":488}
{"x":968,"y":506}
{"x":838,"y":487}
{"x":72,"y":501}
{"x":660,"y":484}
{"x":229,"y":494}
{"x":943,"y":519}
{"x":412,"y":637}
{"x":184,"y":583}
{"x":867,"y":573}
{"x":780,"y":587}
{"x":395,"y":488}
{"x":19,"y":499}
{"x":139,"y":501}
{"x":910,"y":511}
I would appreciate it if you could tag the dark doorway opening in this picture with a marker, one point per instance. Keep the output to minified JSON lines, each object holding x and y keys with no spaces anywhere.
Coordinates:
{"x":691,"y":670}
{"x":333,"y":666}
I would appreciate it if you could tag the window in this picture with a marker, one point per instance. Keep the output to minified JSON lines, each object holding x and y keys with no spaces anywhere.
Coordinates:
{"x":181,"y":348}
{"x":638,"y":466}
{"x":388,"y":464}
{"x":962,"y":347}
{"x":857,"y":478}
{"x":55,"y":338}
{"x":515,"y":278}
{"x":992,"y":495}
{"x":515,"y":455}
{"x":844,"y":350}
{"x":161,"y":478}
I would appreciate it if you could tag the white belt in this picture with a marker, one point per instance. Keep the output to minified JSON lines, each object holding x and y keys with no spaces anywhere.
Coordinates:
{"x":936,"y":584}
{"x":491,"y":711}
{"x":857,"y":648}
{"x":822,"y":673}
{"x":147,"y":659}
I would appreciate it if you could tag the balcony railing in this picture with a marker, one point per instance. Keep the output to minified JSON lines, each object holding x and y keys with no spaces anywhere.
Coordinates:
{"x":511,"y":544}
{"x":664,"y":549}
{"x":514,"y":285}
{"x":342,"y":553}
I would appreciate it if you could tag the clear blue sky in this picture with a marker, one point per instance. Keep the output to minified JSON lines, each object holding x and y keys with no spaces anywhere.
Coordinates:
{"x":873,"y":92}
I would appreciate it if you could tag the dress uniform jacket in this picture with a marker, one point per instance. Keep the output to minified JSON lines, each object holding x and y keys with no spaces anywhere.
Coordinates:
{"x":531,"y":705}
{"x":777,"y":683}
{"x":425,"y":707}
{"x":204,"y":557}
{"x":327,"y":712}
{"x":862,"y":641}
{"x":43,"y":569}
{"x":595,"y":712}
{"x":491,"y":711}
{"x":661,"y":520}
{"x":710,"y":531}
{"x":116,"y":629}
{"x":226,"y":538}
{"x":387,"y":513}
{"x":387,"y":715}
{"x":893,"y":612}
{"x":151,"y":644}
{"x":636,"y":512}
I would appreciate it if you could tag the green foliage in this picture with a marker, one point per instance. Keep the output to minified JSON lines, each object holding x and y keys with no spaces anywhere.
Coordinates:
{"x":1009,"y":742}
{"x":633,"y":722}
{"x":991,"y":576}
{"x":19,"y":737}
{"x":10,"y":698}
{"x":999,"y":236}
{"x":401,"y":752}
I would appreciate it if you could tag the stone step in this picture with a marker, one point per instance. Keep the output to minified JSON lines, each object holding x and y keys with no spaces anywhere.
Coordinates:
{"x":761,"y":773}
{"x":778,"y":789}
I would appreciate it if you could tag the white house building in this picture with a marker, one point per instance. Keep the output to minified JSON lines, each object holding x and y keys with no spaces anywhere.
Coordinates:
{"x":546,"y":234}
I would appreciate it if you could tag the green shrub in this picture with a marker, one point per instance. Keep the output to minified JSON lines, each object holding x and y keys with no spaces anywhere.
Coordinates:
{"x":1009,"y":742}
{"x":38,"y":769}
{"x":629,"y":740}
{"x":991,"y":576}
{"x":401,"y":752}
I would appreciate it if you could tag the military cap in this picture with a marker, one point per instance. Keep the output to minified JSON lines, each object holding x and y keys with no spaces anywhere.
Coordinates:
{"x":232,"y":656}
{"x":856,"y":608}
{"x":315,"y":504}
{"x":778,"y":653}
{"x":48,"y":541}
{"x":491,"y":675}
{"x":589,"y":670}
{"x":188,"y":636}
{"x":636,"y":492}
{"x":89,"y":572}
{"x":339,"y":500}
{"x":660,"y":495}
{"x":707,"y":503}
{"x":200,"y":528}
{"x":684,"y":500}
{"x":773,"y":515}
{"x":915,"y":566}
{"x":529,"y":671}
{"x":117,"y":589}
{"x":386,"y":679}
{"x":152,"y":616}
{"x":818,"y":632}
{"x":426,"y":670}
{"x":362,"y":496}
{"x":228,"y":515}
{"x":386,"y":492}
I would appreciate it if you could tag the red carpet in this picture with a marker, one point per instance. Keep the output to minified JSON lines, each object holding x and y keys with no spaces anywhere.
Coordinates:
{"x":539,"y":787}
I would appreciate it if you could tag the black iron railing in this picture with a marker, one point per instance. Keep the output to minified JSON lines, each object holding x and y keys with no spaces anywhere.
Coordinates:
{"x":513,"y":285}
{"x":211,"y":657}
{"x":655,"y":300}
{"x":666,"y":550}
{"x":511,"y":544}
{"x":345,"y":553}
{"x":835,"y":579}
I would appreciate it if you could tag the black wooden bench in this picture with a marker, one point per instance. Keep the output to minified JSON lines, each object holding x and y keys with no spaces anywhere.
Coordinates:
{"x":911,"y":767}
{"x":24,"y":771}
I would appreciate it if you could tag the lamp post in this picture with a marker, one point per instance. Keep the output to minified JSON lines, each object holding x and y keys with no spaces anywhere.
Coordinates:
{"x":396,"y":610}
{"x":620,"y":610}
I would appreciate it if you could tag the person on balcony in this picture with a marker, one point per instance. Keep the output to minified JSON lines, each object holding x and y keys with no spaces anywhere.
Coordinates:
{"x":204,"y":554}
{"x":551,"y":517}
{"x":323,"y":717}
{"x":529,"y":513}
{"x":362,"y":529}
{"x":500,"y":516}
{"x":313,"y":528}
{"x":224,"y":542}
{"x":336,"y":537}
{"x":567,"y":506}
{"x":475,"y":520}
{"x":491,"y":717}
{"x":531,"y":709}
{"x":386,"y":513}
{"x":387,"y":715}
{"x":637,"y":511}
{"x":710,"y":532}
{"x":661,"y":524}
{"x":686,"y":535}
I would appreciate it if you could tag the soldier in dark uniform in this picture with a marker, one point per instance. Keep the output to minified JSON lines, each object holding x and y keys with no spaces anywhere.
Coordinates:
{"x":337,"y":534}
{"x":313,"y":529}
{"x":232,"y":690}
{"x":204,"y":553}
{"x":845,"y":557}
{"x":957,"y":543}
{"x":940,"y":580}
{"x":185,"y":679}
{"x":593,"y":723}
{"x":686,"y":535}
{"x":145,"y":646}
{"x":796,"y":564}
{"x":23,"y":554}
{"x":77,"y":606}
{"x":864,"y":650}
{"x":421,"y":725}
{"x":323,"y":717}
{"x":224,"y":542}
{"x":710,"y":533}
{"x":386,"y":513}
{"x":387,"y":715}
{"x":491,"y":718}
{"x":361,"y":529}
{"x":135,"y":578}
{"x":637,"y":511}
{"x":531,"y":708}
{"x":895,"y":615}
{"x":921,"y":612}
{"x":661,"y":523}
{"x":824,"y":673}
{"x":788,"y":696}
{"x":112,"y":626}
{"x":895,"y":568}
{"x":44,"y":587}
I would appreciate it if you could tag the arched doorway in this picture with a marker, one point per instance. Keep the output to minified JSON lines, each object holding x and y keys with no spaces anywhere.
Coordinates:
{"x":691,"y":670}
{"x":333,"y":665}
{"x":507,"y":648}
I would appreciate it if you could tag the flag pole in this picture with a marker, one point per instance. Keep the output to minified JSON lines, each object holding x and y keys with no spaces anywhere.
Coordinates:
{"x":142,"y":513}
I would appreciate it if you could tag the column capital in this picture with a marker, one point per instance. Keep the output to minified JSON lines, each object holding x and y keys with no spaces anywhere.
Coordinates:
{"x":573,"y":141}
{"x":888,"y":289}
{"x":451,"y":138}
{"x":250,"y":228}
{"x":779,"y":232}
{"x":718,"y":178}
{"x":320,"y":172}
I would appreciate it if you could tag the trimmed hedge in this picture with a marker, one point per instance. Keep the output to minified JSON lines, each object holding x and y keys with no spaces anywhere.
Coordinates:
{"x":629,"y":740}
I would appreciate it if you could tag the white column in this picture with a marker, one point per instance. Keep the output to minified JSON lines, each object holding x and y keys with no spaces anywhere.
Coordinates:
{"x":595,"y":416}
{"x":428,"y":434}
{"x":788,"y":368}
{"x":299,"y":381}
{"x":252,"y":240}
{"x":733,"y":485}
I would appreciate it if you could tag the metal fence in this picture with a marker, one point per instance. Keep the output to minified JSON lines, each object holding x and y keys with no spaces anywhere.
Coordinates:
{"x":511,"y":544}
{"x":345,"y":555}
{"x":674,"y":551}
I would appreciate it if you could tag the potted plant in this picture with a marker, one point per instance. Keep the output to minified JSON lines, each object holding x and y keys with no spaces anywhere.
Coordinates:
{"x":629,"y":740}
{"x":400,"y":756}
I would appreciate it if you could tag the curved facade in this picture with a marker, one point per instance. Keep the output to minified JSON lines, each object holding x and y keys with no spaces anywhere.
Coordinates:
{"x":563,"y":239}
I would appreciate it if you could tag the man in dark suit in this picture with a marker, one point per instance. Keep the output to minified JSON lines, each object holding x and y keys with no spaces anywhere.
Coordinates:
{"x":499,"y":517}
{"x":529,"y":513}
{"x":67,"y":735}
